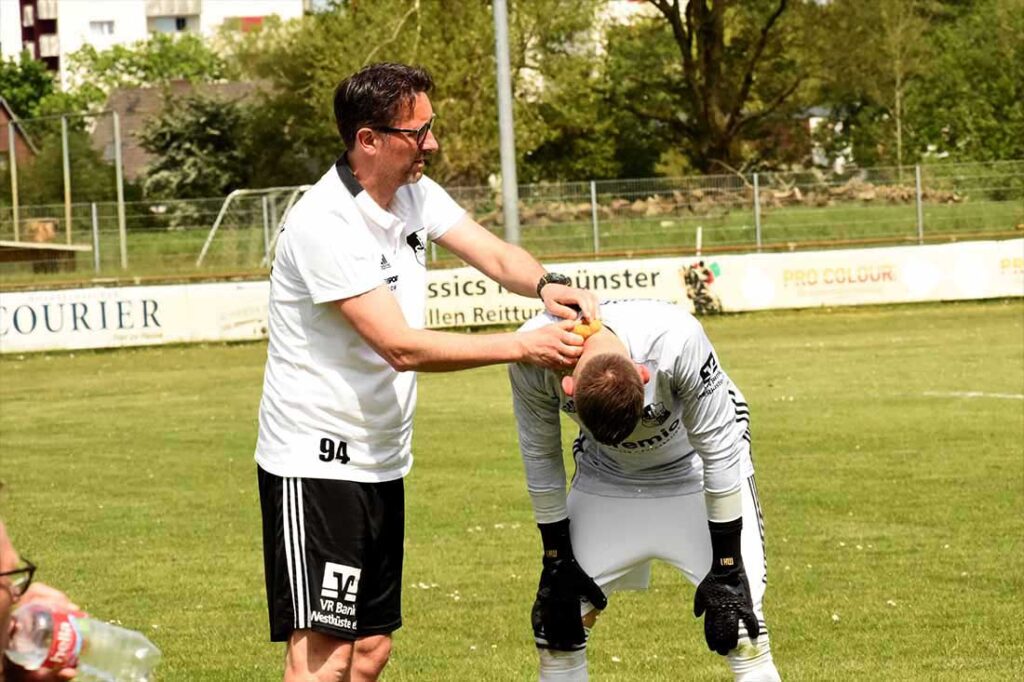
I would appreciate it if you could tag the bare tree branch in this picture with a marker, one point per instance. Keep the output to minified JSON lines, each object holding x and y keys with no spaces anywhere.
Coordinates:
{"x":755,"y":57}
{"x":683,"y":37}
{"x":394,"y":36}
{"x":740,"y":172}
{"x":680,"y":126}
{"x":779,"y":99}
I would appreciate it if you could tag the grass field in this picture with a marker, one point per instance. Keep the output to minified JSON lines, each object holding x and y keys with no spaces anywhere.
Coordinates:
{"x":894,"y":505}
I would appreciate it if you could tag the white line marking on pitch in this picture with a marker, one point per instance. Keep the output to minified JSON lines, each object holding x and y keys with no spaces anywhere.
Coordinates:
{"x":974,"y":394}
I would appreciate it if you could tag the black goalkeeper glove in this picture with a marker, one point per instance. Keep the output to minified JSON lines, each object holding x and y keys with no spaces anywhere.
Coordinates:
{"x":724,"y":593}
{"x":556,"y":610}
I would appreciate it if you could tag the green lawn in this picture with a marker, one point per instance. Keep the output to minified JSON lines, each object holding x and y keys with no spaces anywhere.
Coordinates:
{"x":894,"y":504}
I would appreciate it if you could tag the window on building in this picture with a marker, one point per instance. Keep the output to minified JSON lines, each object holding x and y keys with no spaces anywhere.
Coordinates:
{"x":49,"y":45}
{"x":47,"y":9}
{"x":28,"y":15}
{"x":101,"y":28}
{"x":179,"y":24}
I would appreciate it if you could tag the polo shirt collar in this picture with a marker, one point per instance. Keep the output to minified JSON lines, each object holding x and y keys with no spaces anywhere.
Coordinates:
{"x":381,"y":217}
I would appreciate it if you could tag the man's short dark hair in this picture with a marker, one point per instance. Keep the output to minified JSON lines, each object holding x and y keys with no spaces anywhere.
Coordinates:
{"x":376,"y":96}
{"x":609,"y":397}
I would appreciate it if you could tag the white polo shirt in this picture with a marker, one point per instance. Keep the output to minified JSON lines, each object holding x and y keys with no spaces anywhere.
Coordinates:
{"x":332,"y":407}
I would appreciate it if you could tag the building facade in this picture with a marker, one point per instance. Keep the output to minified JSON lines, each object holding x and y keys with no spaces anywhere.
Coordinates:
{"x":52,"y":29}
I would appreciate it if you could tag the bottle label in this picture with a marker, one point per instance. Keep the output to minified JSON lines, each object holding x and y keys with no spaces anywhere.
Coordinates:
{"x":66,"y":642}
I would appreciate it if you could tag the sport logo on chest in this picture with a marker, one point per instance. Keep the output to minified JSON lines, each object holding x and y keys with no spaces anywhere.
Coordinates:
{"x":654,"y":415}
{"x":419,"y":249}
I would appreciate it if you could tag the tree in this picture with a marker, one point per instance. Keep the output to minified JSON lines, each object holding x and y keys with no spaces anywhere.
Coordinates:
{"x":870,"y":82}
{"x":198,"y":143}
{"x":41,"y":179}
{"x":306,"y":58}
{"x":30,"y":91}
{"x":735,"y":67}
{"x":24,"y":83}
{"x":971,"y":104}
{"x":159,"y":59}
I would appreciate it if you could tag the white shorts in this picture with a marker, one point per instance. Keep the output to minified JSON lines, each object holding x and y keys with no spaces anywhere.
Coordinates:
{"x":614,"y":539}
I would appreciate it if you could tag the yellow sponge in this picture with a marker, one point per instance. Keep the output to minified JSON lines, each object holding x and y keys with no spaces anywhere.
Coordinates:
{"x":586,"y":330}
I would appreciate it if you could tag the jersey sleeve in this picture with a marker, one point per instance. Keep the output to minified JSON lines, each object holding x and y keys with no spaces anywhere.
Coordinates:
{"x":710,"y":415}
{"x":540,"y":441}
{"x":334,"y":268}
{"x":440,"y":211}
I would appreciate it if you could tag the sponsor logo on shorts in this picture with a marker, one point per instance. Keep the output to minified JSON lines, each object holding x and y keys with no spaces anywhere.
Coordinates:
{"x":384,"y":264}
{"x":337,"y":604}
{"x":341,"y":582}
{"x":711,"y":376}
{"x":333,"y":620}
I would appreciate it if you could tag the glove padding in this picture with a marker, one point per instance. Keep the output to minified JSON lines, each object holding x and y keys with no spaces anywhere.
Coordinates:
{"x":556,"y":610}
{"x":726,"y":598}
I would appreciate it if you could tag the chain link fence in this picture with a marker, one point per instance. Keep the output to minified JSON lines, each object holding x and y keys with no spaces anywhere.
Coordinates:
{"x":219,"y":237}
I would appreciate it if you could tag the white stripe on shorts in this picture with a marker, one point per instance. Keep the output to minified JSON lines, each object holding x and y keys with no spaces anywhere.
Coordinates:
{"x":294,"y":554}
{"x":304,"y":574}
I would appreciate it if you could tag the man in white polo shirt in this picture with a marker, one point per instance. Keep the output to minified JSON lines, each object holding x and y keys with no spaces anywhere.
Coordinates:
{"x":663,"y":471}
{"x":347,"y":303}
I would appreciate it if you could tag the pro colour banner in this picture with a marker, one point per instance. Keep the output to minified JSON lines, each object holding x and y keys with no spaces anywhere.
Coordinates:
{"x":460,"y":298}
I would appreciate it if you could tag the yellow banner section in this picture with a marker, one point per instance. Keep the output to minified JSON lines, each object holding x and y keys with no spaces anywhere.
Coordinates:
{"x":100,"y":317}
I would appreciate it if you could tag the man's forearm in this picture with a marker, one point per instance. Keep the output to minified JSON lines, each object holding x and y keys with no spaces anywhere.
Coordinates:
{"x":517,"y":271}
{"x":425,"y":350}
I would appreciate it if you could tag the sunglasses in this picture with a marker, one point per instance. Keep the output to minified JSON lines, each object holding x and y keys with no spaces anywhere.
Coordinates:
{"x":420,"y":133}
{"x":20,"y":578}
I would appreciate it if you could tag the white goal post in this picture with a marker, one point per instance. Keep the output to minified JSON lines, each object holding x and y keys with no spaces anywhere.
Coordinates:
{"x":292,"y":195}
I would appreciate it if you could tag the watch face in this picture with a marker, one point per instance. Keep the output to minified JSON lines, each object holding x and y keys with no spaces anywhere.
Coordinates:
{"x":552,"y":278}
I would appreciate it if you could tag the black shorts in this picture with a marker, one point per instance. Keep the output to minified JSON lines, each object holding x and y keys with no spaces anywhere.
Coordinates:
{"x":332,"y":555}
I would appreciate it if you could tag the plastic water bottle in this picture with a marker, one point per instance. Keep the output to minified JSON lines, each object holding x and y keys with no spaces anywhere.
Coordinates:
{"x":53,"y":638}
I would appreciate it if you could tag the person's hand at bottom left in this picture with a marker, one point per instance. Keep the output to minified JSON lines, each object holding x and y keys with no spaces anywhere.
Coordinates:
{"x":40,"y":593}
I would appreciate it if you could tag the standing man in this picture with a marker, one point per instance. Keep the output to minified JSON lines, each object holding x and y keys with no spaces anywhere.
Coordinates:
{"x":663,"y":471}
{"x":347,"y":301}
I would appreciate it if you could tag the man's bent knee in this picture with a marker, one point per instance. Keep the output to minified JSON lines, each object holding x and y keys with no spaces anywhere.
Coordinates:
{"x":371,"y":655}
{"x":316,"y":657}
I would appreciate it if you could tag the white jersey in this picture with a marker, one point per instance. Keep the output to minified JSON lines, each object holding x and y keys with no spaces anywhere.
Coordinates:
{"x":694,"y":433}
{"x":332,"y":407}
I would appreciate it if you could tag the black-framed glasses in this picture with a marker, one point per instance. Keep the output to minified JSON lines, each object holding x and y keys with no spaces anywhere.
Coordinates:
{"x":420,"y":133}
{"x":20,"y":577}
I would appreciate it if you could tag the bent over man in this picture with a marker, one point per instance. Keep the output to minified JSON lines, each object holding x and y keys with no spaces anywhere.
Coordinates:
{"x":663,"y":471}
{"x":347,"y":303}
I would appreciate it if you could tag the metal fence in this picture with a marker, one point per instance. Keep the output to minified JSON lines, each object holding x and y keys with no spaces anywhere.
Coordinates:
{"x":621,"y":218}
